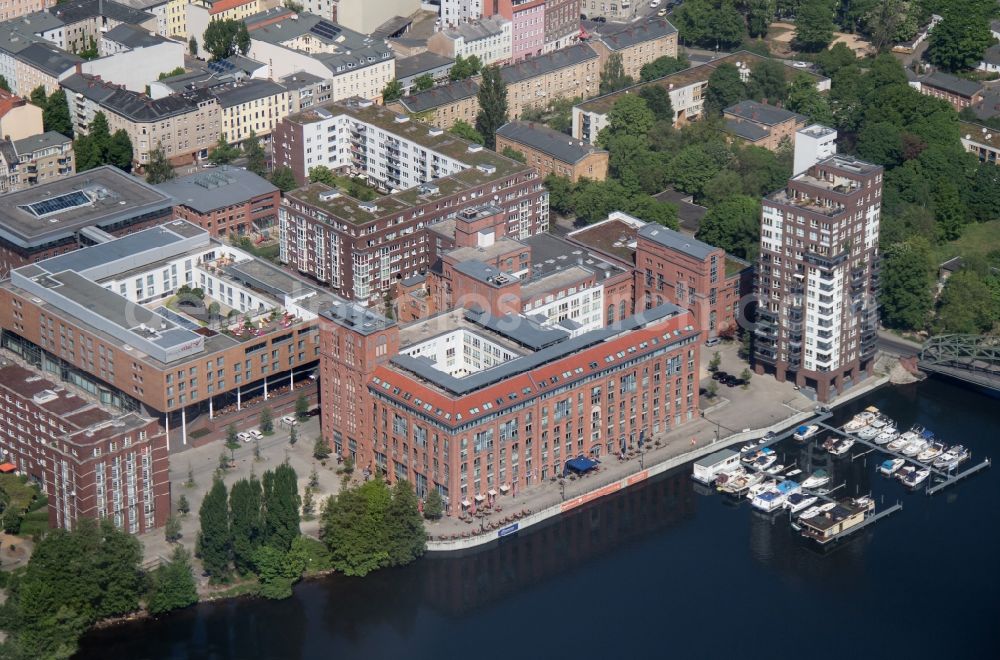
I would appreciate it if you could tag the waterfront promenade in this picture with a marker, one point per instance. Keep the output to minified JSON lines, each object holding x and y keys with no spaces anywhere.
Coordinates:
{"x":739,"y":416}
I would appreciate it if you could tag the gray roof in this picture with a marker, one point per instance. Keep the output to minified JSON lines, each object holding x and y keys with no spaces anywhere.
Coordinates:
{"x":762,"y":113}
{"x":519,"y":329}
{"x":438,"y":96}
{"x":746,"y":129}
{"x":560,"y":146}
{"x":48,"y":58}
{"x":688,"y":213}
{"x":542,"y":64}
{"x":483,"y":28}
{"x":717,"y":457}
{"x":992,"y":55}
{"x":421,"y":63}
{"x":551,"y":254}
{"x":953,"y":84}
{"x":249,"y":90}
{"x":128,"y":197}
{"x":207,"y":191}
{"x":357,"y":58}
{"x":676,"y":241}
{"x":300,"y":79}
{"x":636,"y":33}
{"x":133,"y":36}
{"x":80,"y":10}
{"x":990,"y":106}
{"x":425,"y":370}
{"x":316,"y":27}
{"x":359,"y":319}
{"x":391,"y":26}
{"x":483,"y":272}
{"x":133,"y":105}
{"x":40,"y":141}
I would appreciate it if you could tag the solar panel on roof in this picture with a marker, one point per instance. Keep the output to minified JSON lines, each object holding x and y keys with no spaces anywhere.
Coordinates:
{"x":325,"y":29}
{"x":57,"y":204}
{"x":177,"y":318}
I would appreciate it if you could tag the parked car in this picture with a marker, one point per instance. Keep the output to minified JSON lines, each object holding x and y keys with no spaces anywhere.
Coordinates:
{"x":720,"y":375}
{"x":243,"y":437}
{"x":662,"y":12}
{"x":654,"y":4}
{"x":289,"y":420}
{"x":599,"y":19}
{"x":738,"y":382}
{"x":255,"y":434}
{"x":712,"y":341}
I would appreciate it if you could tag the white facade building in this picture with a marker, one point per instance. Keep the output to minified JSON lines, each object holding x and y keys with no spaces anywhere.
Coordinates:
{"x":454,"y":12}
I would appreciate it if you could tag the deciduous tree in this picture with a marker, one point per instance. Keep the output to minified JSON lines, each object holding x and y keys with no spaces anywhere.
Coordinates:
{"x":492,"y":105}
{"x":725,"y":87}
{"x":423,"y":83}
{"x":172,"y":584}
{"x":226,"y":37}
{"x":283,"y":178}
{"x":433,"y":505}
{"x":958,"y":42}
{"x":658,"y":101}
{"x":223,"y":152}
{"x":663,"y":66}
{"x":768,"y":82}
{"x":393,"y":91}
{"x":158,"y":170}
{"x":407,"y":538}
{"x":465,"y":131}
{"x":907,"y":280}
{"x":256,"y":158}
{"x":613,"y":75}
{"x":733,"y":225}
{"x":814,"y":25}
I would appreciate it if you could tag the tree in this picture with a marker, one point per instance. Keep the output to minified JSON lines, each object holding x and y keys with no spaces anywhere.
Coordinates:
{"x":256,"y":158}
{"x":120,"y":150}
{"x":880,"y":142}
{"x":613,"y":75}
{"x":594,"y":200}
{"x":958,"y":42}
{"x":266,"y":421}
{"x":768,"y":82}
{"x":225,"y":38}
{"x":392,"y":91}
{"x":983,"y":196}
{"x":172,"y":530}
{"x":663,"y":66}
{"x":4,"y":85}
{"x":463,"y":130}
{"x":232,"y":437}
{"x":193,"y":47}
{"x":464,"y":67}
{"x":805,"y":99}
{"x":492,"y":105}
{"x":967,"y":305}
{"x":710,"y":23}
{"x":725,"y":87}
{"x":87,"y":153}
{"x":215,"y":539}
{"x":302,"y":406}
{"x":814,"y":25}
{"x":407,"y":538}
{"x":281,"y":507}
{"x":560,"y":194}
{"x":514,"y":154}
{"x":223,"y":152}
{"x":293,"y":435}
{"x":38,"y":96}
{"x":433,"y":505}
{"x":283,"y":178}
{"x":308,"y":504}
{"x":692,"y":168}
{"x":91,"y":52}
{"x":658,"y":101}
{"x":172,"y":585}
{"x":423,"y":83}
{"x":628,"y":116}
{"x":55,"y":114}
{"x":760,"y":13}
{"x":734,"y":226}
{"x":246,"y":522}
{"x":746,"y":375}
{"x":354,"y":528}
{"x":183,"y":506}
{"x":715,"y":362}
{"x":321,"y":449}
{"x":649,"y":209}
{"x":278,"y":570}
{"x":760,"y":170}
{"x":158,"y":170}
{"x":907,"y":283}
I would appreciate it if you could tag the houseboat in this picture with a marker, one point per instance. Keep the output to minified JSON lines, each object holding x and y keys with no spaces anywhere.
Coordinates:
{"x":706,"y":469}
{"x":828,"y":525}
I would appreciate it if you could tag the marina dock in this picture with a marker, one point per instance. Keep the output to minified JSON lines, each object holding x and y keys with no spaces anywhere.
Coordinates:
{"x":958,"y":477}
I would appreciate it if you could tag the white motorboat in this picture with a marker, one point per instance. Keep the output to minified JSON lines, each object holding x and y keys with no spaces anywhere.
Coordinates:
{"x":811,"y":512}
{"x":931,"y":453}
{"x":794,"y":473}
{"x":765,"y":461}
{"x":842,"y":447}
{"x":769,"y":500}
{"x":885,"y":437}
{"x":902,"y":440}
{"x":830,"y":442}
{"x":861,"y":420}
{"x":758,"y":488}
{"x":869,"y":432}
{"x":890,"y":466}
{"x":798,"y":501}
{"x":803,"y":433}
{"x":915,"y":477}
{"x":951,"y":458}
{"x":915,"y":447}
{"x":747,"y":448}
{"x":816,"y":479}
{"x":775,"y":469}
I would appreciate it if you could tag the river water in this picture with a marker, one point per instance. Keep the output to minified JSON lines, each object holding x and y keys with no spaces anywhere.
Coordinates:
{"x":662,"y":570}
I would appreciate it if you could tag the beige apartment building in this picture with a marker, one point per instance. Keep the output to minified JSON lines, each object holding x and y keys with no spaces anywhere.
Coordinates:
{"x":36,"y":159}
{"x":18,"y":118}
{"x":638,"y":44}
{"x":252,"y":106}
{"x":14,"y":8}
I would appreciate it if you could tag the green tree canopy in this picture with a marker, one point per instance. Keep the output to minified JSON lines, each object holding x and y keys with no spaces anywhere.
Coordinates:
{"x":560,"y":194}
{"x":805,"y":99}
{"x":663,"y":66}
{"x":281,"y":507}
{"x":55,"y":114}
{"x":423,"y":83}
{"x":393,"y":91}
{"x":223,"y":153}
{"x":433,"y":505}
{"x":983,"y":196}
{"x":407,"y":538}
{"x":725,"y":87}
{"x":283,"y":178}
{"x":907,"y":281}
{"x":172,"y":585}
{"x":629,"y":116}
{"x":256,"y":158}
{"x":658,"y":101}
{"x":246,"y":522}
{"x":227,"y":37}
{"x":760,"y":13}
{"x":355,"y":529}
{"x":492,"y":105}
{"x":814,"y":25}
{"x":120,"y":150}
{"x":958,"y":42}
{"x":215,"y":543}
{"x":594,"y":200}
{"x":710,"y":23}
{"x":158,"y":169}
{"x":613,"y":75}
{"x":768,"y":82}
{"x":966,"y":306}
{"x":692,"y":168}
{"x":465,"y":131}
{"x":649,"y":209}
{"x":734,"y":226}
{"x":465,"y":67}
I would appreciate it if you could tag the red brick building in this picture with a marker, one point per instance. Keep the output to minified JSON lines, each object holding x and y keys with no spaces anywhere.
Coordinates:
{"x":225,"y":201}
{"x":90,"y":462}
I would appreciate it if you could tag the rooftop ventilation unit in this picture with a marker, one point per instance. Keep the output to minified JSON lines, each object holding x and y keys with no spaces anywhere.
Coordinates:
{"x":435,"y":131}
{"x":371,"y":207}
{"x":327,"y":195}
{"x":474,"y":148}
{"x":486,"y":169}
{"x":401,"y":119}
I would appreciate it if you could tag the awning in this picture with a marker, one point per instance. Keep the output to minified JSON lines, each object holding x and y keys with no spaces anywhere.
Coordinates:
{"x":466,"y":503}
{"x":7,"y":468}
{"x":504,"y":488}
{"x":580,"y":464}
{"x":480,"y":498}
{"x":491,"y":492}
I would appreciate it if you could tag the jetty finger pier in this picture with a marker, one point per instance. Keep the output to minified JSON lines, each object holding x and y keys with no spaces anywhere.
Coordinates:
{"x":812,"y":503}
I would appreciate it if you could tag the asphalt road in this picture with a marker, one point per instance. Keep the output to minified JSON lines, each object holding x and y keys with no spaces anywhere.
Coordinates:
{"x":893,"y":345}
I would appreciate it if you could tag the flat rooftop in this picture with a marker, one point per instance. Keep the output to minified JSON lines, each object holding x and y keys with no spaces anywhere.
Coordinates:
{"x":215,"y":189}
{"x":57,"y":209}
{"x":615,"y":237}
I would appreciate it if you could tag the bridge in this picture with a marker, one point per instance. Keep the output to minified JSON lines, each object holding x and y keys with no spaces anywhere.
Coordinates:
{"x":974,"y":359}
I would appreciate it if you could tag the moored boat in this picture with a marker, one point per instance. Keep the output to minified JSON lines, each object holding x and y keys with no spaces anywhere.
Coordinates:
{"x":931,"y":453}
{"x":890,"y":466}
{"x":901,"y":441}
{"x":869,"y":432}
{"x":775,"y":469}
{"x":861,"y":420}
{"x":885,"y":437}
{"x":841,"y":448}
{"x":830,"y":442}
{"x":817,"y":478}
{"x":799,"y":501}
{"x":915,"y":477}
{"x":804,"y":432}
{"x":765,"y":461}
{"x":914,"y":447}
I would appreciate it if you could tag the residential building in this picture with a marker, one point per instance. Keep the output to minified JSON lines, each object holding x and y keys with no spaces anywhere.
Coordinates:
{"x":225,"y":201}
{"x":527,"y":28}
{"x":456,"y":12}
{"x":982,"y":141}
{"x":133,"y":57}
{"x":354,"y":64}
{"x":75,"y":25}
{"x":489,"y":39}
{"x":125,"y":37}
{"x":306,"y":90}
{"x":90,"y":461}
{"x":233,"y":69}
{"x":365,"y":16}
{"x":18,"y":118}
{"x":116,"y":320}
{"x":252,"y":106}
{"x":991,"y":60}
{"x":686,"y":89}
{"x":104,"y":198}
{"x":408,"y":69}
{"x":17,"y":8}
{"x":562,"y":24}
{"x":817,"y":279}
{"x":184,"y":125}
{"x":360,"y":249}
{"x":193,"y":16}
{"x":959,"y":92}
{"x":674,"y":268}
{"x":552,"y":152}
{"x":42,"y":65}
{"x":762,"y":125}
{"x":158,"y":8}
{"x":531,"y":83}
{"x":469,"y":403}
{"x":37,"y":159}
{"x":620,"y":12}
{"x":637,"y":43}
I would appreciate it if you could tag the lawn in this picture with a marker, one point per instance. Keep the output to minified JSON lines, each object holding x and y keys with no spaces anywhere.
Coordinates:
{"x":977,"y":239}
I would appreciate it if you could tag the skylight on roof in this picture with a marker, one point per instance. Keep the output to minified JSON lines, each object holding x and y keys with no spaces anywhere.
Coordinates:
{"x":57,"y":204}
